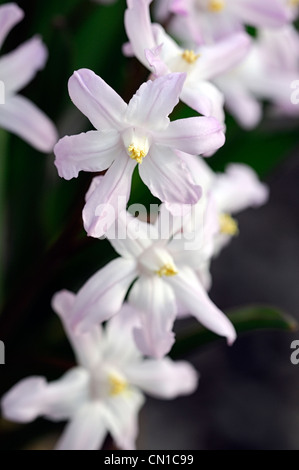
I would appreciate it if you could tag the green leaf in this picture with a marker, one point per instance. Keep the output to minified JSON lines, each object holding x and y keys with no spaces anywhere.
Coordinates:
{"x":245,"y":319}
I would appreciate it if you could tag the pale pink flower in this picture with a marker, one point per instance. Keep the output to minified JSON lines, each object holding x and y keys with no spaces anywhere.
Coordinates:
{"x":207,"y":21}
{"x":162,"y":55}
{"x":104,"y":393}
{"x":224,"y":195}
{"x":139,"y":133}
{"x":17,"y":69}
{"x":158,"y":256}
{"x":267,"y":73}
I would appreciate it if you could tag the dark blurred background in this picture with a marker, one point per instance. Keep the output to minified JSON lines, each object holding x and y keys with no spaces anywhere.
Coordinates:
{"x":247,"y":396}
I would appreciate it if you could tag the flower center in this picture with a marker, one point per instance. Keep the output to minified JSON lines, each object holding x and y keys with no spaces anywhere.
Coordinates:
{"x":117,"y":385}
{"x":228,"y":225}
{"x":189,"y":56}
{"x":216,"y":6}
{"x":137,"y":153}
{"x":167,"y":270}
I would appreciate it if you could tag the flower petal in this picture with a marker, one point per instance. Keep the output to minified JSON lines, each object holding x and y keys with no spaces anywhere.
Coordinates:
{"x":154,"y":101}
{"x":137,"y":19}
{"x":19,"y":67}
{"x":155,"y":302}
{"x":168,"y":178}
{"x":22,"y":117}
{"x":239,"y":188}
{"x":205,"y":98}
{"x":163,"y":378}
{"x":102,"y":295}
{"x":195,"y":135}
{"x":10,"y":15}
{"x":33,"y":397}
{"x":222,"y":56}
{"x":96,"y":100}
{"x":86,"y":431}
{"x":121,"y":417}
{"x":268,"y":13}
{"x":87,"y":346}
{"x":90,"y":151}
{"x":191,"y":294}
{"x":130,"y":236}
{"x":109,"y":197}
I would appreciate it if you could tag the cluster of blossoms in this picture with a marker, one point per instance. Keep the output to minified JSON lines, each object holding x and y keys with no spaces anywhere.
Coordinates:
{"x":163,"y":269}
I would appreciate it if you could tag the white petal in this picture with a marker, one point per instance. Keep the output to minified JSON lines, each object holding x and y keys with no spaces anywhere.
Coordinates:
{"x":155,"y":302}
{"x":10,"y":15}
{"x":167,"y":177}
{"x":96,"y":100}
{"x":154,"y":101}
{"x":19,"y":67}
{"x":195,"y":136}
{"x":90,"y":151}
{"x":192,"y":295}
{"x":239,"y":188}
{"x":137,"y":19}
{"x":205,"y":98}
{"x":33,"y":397}
{"x":130,"y":237}
{"x":163,"y":378}
{"x":22,"y":117}
{"x":121,"y":416}
{"x":86,"y":431}
{"x":102,"y":295}
{"x":110,"y":196}
{"x":87,"y":346}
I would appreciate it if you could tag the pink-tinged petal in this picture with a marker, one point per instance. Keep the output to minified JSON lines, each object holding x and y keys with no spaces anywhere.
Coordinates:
{"x":96,"y":100}
{"x":10,"y":15}
{"x":154,"y":101}
{"x":163,"y":378}
{"x":19,"y":67}
{"x":110,"y":196}
{"x":245,"y":108}
{"x":91,"y":151}
{"x":22,"y":117}
{"x":121,"y":417}
{"x":155,"y":62}
{"x":103,"y":294}
{"x":33,"y":397}
{"x":268,"y":13}
{"x":222,"y":56}
{"x":86,"y":430}
{"x":138,"y":28}
{"x":118,"y":344}
{"x":200,"y":170}
{"x":239,"y":188}
{"x":195,"y":135}
{"x":180,"y":7}
{"x":155,"y":302}
{"x":130,"y":237}
{"x":205,"y":98}
{"x":87,"y":346}
{"x":168,"y":178}
{"x":193,"y":296}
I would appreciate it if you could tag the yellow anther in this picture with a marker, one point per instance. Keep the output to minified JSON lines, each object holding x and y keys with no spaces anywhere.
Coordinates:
{"x":136,"y":153}
{"x":117,"y":385}
{"x":167,"y":270}
{"x":216,"y":5}
{"x":190,"y":56}
{"x":228,"y":225}
{"x":294,"y":3}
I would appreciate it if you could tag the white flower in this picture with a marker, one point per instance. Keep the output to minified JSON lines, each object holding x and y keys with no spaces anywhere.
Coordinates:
{"x":105,"y":391}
